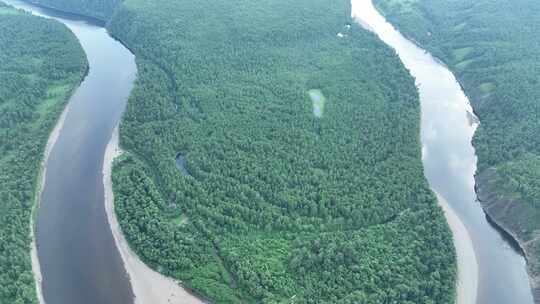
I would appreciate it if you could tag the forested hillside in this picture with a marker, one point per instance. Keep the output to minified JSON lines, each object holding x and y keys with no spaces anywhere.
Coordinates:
{"x":276,"y":201}
{"x":493,"y":46}
{"x":100,"y":9}
{"x":40,"y":64}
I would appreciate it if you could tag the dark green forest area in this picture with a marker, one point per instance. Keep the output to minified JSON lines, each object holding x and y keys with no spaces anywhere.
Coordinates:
{"x":40,"y":64}
{"x":493,"y":46}
{"x":276,"y":205}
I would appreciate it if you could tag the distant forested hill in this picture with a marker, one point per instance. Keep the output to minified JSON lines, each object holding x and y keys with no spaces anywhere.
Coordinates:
{"x":41,"y":62}
{"x":494,"y":48}
{"x":100,"y":9}
{"x":274,"y":204}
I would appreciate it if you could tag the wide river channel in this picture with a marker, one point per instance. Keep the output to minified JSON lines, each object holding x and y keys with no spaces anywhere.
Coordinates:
{"x":450,"y":164}
{"x":79,"y":260}
{"x":78,"y":256}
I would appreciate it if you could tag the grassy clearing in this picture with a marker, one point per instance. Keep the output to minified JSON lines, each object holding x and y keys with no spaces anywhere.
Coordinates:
{"x":461,"y":66}
{"x":487,"y":87}
{"x":55,"y":94}
{"x":460,"y":27}
{"x":462,"y":53}
{"x":180,"y":221}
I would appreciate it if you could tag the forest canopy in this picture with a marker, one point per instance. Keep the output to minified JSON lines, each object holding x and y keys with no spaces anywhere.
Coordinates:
{"x":269,"y":203}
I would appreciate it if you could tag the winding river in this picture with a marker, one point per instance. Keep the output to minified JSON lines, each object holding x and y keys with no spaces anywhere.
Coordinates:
{"x":79,"y":260}
{"x":490,"y":270}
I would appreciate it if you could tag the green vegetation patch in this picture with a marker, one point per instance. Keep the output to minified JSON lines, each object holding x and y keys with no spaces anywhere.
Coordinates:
{"x":521,"y":178}
{"x":262,"y":261}
{"x":460,"y":27}
{"x":40,"y":61}
{"x":180,"y":220}
{"x":462,"y":65}
{"x":56,"y":92}
{"x":487,"y":87}
{"x":462,"y":53}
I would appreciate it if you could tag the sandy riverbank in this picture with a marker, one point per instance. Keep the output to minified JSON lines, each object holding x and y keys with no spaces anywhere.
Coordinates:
{"x":148,"y":285}
{"x":53,"y":138}
{"x":467,"y":276}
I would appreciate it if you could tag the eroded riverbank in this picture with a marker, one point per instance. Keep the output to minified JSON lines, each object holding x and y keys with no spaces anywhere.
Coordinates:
{"x":505,"y":213}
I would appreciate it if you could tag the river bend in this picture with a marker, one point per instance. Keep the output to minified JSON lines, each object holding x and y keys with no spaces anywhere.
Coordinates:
{"x":450,"y":164}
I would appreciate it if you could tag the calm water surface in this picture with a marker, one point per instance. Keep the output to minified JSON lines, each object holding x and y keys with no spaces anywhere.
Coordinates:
{"x":450,"y":162}
{"x":79,"y":260}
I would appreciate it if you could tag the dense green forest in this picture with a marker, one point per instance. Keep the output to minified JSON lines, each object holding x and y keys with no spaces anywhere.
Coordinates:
{"x":275,"y":204}
{"x":493,"y":46}
{"x":100,"y":9}
{"x":40,"y":64}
